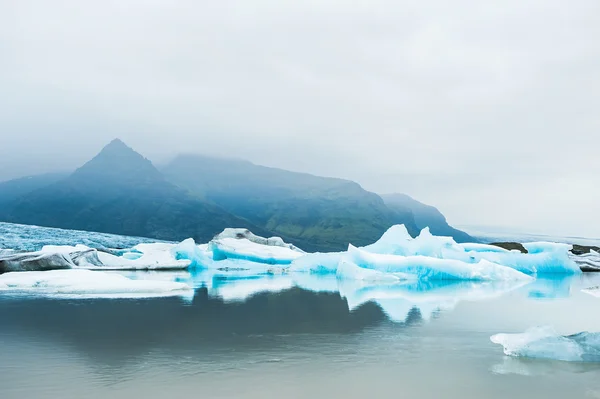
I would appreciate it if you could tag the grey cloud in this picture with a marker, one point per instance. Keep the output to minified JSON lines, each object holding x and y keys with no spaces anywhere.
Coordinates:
{"x":487,"y":110}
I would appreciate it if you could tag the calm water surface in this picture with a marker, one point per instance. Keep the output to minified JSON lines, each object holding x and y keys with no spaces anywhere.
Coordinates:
{"x":295,"y":337}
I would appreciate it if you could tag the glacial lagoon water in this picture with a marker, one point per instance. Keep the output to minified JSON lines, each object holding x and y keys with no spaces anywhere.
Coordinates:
{"x":295,"y":336}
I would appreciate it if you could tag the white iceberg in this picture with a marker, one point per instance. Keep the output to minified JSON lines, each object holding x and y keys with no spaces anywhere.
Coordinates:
{"x":244,"y":249}
{"x":588,"y":262}
{"x":144,"y":256}
{"x":88,"y":284}
{"x":546,"y":343}
{"x":248,"y":235}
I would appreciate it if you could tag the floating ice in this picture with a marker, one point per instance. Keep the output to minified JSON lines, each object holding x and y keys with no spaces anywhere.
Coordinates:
{"x":141,"y":257}
{"x":594,"y":291}
{"x":32,"y":261}
{"x":351,"y":271}
{"x":588,"y":262}
{"x":233,"y":248}
{"x":545,"y":343}
{"x":429,"y":268}
{"x":88,"y":284}
{"x":321,"y":263}
{"x":248,"y":235}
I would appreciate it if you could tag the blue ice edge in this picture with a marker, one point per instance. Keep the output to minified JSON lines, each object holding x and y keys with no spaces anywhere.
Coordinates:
{"x":546,"y":343}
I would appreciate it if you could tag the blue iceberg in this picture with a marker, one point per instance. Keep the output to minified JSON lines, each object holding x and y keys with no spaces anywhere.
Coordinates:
{"x":545,"y":343}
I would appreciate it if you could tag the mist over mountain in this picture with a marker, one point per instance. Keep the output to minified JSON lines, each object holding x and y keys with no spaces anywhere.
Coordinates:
{"x":119,"y":191}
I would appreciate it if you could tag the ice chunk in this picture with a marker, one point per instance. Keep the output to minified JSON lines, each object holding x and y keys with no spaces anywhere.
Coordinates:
{"x":594,"y":291}
{"x":35,"y":261}
{"x":88,"y":284}
{"x":146,"y":256}
{"x":198,"y":255}
{"x":321,"y":263}
{"x":349,"y":270}
{"x":233,"y":248}
{"x":544,"y":257}
{"x":395,"y":241}
{"x":545,"y":343}
{"x":476,"y":247}
{"x":433,"y":268}
{"x":239,"y":234}
{"x":589,"y":262}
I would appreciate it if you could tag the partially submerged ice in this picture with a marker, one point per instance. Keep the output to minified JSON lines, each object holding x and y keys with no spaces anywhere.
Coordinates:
{"x":242,"y":244}
{"x":589,"y":262}
{"x":545,"y":343}
{"x":395,"y":257}
{"x":542,"y":257}
{"x":88,"y":284}
{"x":431,"y":268}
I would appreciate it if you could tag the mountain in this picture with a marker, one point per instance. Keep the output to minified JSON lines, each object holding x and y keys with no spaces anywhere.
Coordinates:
{"x":13,"y":189}
{"x":426,"y":216}
{"x":327,"y":213}
{"x":120,"y":191}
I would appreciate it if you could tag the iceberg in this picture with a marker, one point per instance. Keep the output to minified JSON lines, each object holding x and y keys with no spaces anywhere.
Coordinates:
{"x":88,"y":284}
{"x":246,"y":234}
{"x":318,"y":262}
{"x":545,"y":343}
{"x":244,"y":249}
{"x":351,"y":271}
{"x":34,"y":261}
{"x":543,"y":257}
{"x":594,"y":291}
{"x":429,"y":268}
{"x":589,"y":262}
{"x":143,"y":256}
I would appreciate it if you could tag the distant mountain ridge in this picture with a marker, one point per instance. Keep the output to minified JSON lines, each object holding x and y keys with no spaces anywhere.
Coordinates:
{"x":329,"y":211}
{"x":121,"y":192}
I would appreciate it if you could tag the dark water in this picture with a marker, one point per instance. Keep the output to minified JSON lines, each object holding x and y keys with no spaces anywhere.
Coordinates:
{"x":234,"y":339}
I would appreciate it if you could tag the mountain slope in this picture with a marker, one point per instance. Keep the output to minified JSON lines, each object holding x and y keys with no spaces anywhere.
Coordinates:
{"x":426,"y":216}
{"x":13,"y":189}
{"x":327,"y":212}
{"x":120,"y":191}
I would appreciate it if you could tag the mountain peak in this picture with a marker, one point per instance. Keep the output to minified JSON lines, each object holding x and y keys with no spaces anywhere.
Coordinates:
{"x":117,"y":145}
{"x":117,"y":162}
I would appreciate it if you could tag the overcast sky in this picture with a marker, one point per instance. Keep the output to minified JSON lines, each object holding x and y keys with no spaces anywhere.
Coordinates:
{"x":488,"y":110}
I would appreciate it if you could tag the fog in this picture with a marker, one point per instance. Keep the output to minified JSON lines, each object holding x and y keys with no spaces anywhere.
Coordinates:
{"x":488,"y":111}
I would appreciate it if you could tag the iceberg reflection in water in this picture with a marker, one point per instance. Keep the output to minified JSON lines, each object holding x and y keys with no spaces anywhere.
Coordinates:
{"x":398,"y":300}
